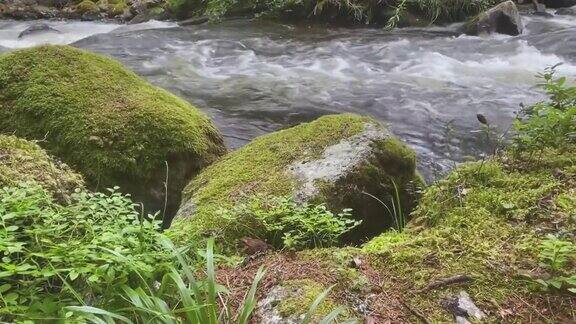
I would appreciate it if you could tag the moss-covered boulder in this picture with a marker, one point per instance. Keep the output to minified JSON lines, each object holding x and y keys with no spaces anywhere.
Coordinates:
{"x":25,"y":161}
{"x":503,"y":18}
{"x":344,"y":161}
{"x":106,"y":122}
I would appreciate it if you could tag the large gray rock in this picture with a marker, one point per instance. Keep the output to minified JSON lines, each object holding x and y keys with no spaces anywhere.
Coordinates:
{"x":503,"y":19}
{"x":343,"y":161}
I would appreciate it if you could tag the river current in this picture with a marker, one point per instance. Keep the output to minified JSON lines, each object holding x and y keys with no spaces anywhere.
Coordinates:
{"x":252,"y":78}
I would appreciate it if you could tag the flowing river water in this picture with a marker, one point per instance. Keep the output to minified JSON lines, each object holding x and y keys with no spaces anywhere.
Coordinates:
{"x":253,"y":78}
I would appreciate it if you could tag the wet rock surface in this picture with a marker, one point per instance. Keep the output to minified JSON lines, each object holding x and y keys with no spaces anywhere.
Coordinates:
{"x":38,"y":29}
{"x":463,"y":308}
{"x":502,"y":19}
{"x":566,"y":11}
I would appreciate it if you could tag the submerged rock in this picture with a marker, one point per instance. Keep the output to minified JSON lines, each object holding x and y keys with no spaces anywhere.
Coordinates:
{"x":105,"y":121}
{"x":566,"y":11}
{"x":38,"y":29}
{"x":503,"y":19}
{"x":194,"y":21}
{"x":25,"y":161}
{"x":344,"y":161}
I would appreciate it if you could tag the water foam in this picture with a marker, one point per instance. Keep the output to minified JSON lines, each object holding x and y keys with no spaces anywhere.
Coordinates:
{"x":70,"y":31}
{"x":518,"y":67}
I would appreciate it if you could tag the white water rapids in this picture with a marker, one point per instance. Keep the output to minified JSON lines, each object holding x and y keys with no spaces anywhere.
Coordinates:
{"x":254,"y":78}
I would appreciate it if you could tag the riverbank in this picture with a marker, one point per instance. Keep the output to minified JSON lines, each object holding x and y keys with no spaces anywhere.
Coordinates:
{"x":377,"y":13}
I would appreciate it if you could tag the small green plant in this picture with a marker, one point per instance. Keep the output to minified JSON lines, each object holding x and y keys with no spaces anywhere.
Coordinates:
{"x":555,"y":254}
{"x":287,"y":224}
{"x":53,"y":255}
{"x":394,"y":209}
{"x":550,"y":124}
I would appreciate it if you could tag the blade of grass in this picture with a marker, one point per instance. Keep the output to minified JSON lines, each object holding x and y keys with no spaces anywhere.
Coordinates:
{"x":185,"y":296}
{"x":314,"y":307}
{"x":332,"y":316}
{"x":201,"y":315}
{"x":98,"y":311}
{"x":250,"y":299}
{"x":212,"y":302}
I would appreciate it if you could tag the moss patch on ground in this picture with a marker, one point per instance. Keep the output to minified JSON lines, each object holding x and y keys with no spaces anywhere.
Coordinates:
{"x":487,"y":220}
{"x":25,"y":161}
{"x":302,"y":293}
{"x":105,"y":121}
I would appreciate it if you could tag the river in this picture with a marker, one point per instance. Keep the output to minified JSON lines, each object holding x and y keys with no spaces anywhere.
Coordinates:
{"x":253,"y":78}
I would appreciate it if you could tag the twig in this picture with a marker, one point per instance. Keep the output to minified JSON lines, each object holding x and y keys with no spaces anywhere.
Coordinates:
{"x":446,"y":282}
{"x":416,"y":313}
{"x":165,"y":192}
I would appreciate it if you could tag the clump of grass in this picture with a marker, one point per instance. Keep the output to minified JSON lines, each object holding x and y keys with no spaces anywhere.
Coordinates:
{"x":394,"y":208}
{"x":179,"y":298}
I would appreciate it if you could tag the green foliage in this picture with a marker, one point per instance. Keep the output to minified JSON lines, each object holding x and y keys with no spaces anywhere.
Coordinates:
{"x":386,"y":242}
{"x":87,"y":6}
{"x":555,"y":255}
{"x":54,"y":255}
{"x":550,"y":124}
{"x":309,"y":299}
{"x":390,"y":13}
{"x":179,"y":298}
{"x":286,"y":224}
{"x":451,"y":10}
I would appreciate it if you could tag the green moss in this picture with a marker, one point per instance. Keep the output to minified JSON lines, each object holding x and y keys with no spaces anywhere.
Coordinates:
{"x":485,"y":221}
{"x":105,"y":121}
{"x":87,"y":6}
{"x":386,"y":241}
{"x":117,"y":9}
{"x":24,"y":161}
{"x":301,"y":294}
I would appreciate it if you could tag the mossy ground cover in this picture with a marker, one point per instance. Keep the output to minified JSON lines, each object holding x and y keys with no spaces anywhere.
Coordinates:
{"x":105,"y":121}
{"x":24,"y":161}
{"x":487,"y":221}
